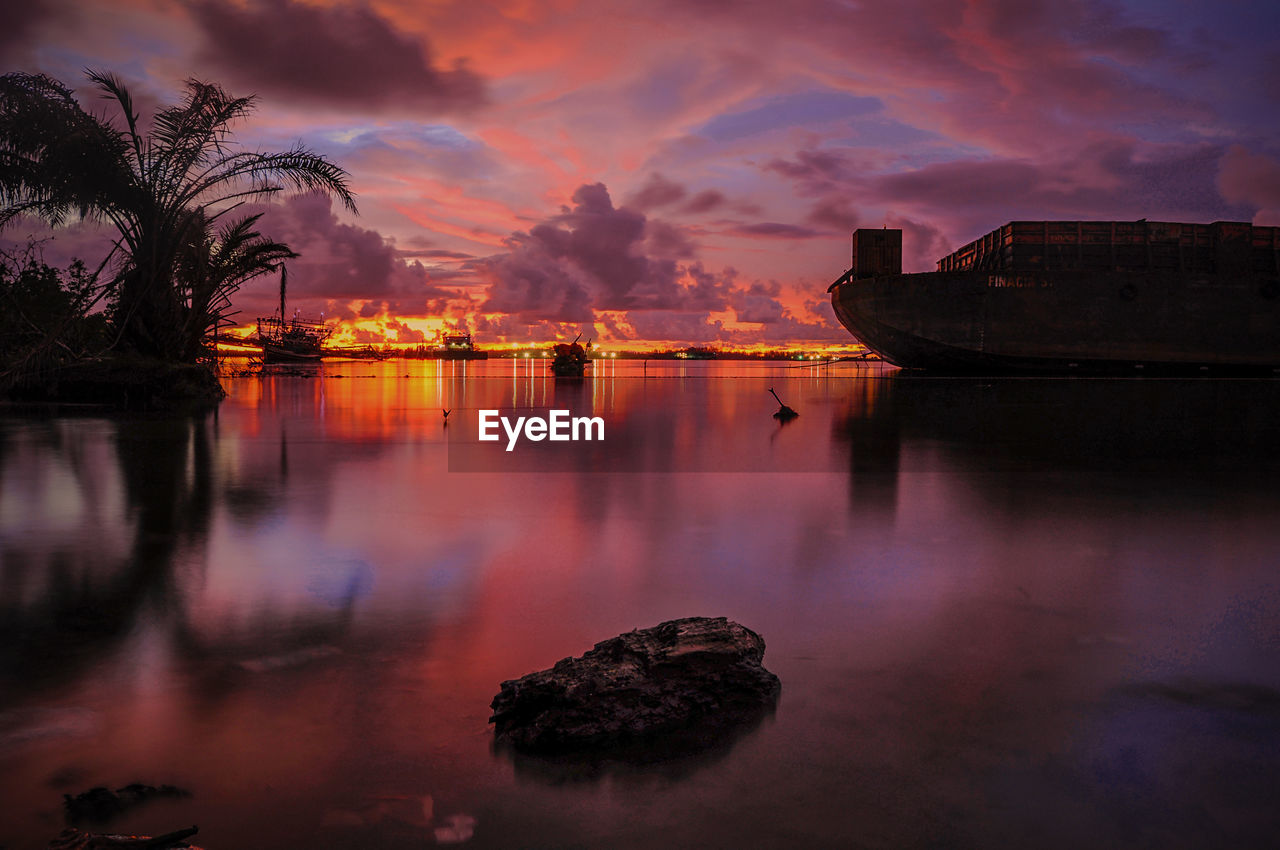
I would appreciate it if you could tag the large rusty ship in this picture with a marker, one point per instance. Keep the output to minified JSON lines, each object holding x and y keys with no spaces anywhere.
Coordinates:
{"x":1073,"y":297}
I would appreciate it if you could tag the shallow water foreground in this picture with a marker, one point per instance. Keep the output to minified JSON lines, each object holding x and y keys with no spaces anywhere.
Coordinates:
{"x":1004,"y":612}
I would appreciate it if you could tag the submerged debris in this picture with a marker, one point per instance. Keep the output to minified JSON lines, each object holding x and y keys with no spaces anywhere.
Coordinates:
{"x":784,"y":414}
{"x":696,"y":672}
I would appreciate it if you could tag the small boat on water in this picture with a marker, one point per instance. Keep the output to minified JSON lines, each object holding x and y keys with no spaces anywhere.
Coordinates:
{"x":458,"y":346}
{"x":1073,"y":297}
{"x":291,"y":341}
{"x":570,"y":360}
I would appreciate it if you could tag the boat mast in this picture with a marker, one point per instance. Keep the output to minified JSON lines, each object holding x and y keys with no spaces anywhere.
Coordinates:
{"x":284,"y":280}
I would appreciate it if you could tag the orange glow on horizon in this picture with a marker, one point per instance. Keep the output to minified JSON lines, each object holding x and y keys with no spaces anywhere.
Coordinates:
{"x":383,"y":332}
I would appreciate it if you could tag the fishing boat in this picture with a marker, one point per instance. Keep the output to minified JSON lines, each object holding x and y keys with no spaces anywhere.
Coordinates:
{"x":1073,"y":297}
{"x":293,"y":340}
{"x":457,"y":346}
{"x":290,"y":340}
{"x":570,"y":360}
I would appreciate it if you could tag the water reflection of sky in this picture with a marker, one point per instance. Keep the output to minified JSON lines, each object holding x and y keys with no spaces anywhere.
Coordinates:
{"x":983,"y":598}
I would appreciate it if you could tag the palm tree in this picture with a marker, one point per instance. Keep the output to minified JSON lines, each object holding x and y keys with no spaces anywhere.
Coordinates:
{"x":212,"y":265}
{"x":163,"y":191}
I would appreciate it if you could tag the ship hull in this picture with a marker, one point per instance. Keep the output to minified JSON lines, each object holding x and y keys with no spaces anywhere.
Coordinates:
{"x":459,"y":354}
{"x":274,"y":353}
{"x":1065,"y":321}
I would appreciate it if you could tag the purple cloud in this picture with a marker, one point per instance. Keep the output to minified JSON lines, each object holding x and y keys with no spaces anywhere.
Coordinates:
{"x":704,"y":201}
{"x":594,"y":262}
{"x":758,"y":304}
{"x":835,"y":213}
{"x":922,"y":244}
{"x":344,"y":55}
{"x":774,"y":230}
{"x":813,"y":167}
{"x":338,"y":263}
{"x":657,"y":191}
{"x":1111,"y":179}
{"x":590,"y":257}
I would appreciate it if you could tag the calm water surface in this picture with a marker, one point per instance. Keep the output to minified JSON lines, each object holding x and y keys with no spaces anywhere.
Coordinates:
{"x":1005,"y":612}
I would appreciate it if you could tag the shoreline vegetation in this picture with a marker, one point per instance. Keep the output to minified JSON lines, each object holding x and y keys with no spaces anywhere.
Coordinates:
{"x":119,"y":381}
{"x":137,"y":330}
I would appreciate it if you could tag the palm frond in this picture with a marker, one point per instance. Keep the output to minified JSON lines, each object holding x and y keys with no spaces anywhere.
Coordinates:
{"x":195,"y":133}
{"x":55,"y":159}
{"x":298,"y":168}
{"x":113,"y":87}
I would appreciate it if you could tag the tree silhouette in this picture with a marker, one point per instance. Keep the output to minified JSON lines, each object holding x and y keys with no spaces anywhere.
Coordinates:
{"x":164,"y":191}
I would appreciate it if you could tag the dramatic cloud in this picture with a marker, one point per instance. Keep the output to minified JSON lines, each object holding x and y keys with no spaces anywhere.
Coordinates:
{"x":707,"y":291}
{"x":758,"y":304}
{"x":667,"y":240}
{"x":343,"y":55}
{"x":588,"y":257}
{"x":613,"y":266}
{"x":791,"y":329}
{"x":694,"y":328}
{"x":405,"y":334}
{"x":517,"y":329}
{"x":339,"y":263}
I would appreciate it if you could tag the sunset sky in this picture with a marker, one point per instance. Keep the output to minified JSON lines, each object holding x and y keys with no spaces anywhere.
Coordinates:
{"x":687,"y":170}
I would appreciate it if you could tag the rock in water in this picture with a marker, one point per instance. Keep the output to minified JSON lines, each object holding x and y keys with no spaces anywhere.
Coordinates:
{"x":699,"y":671}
